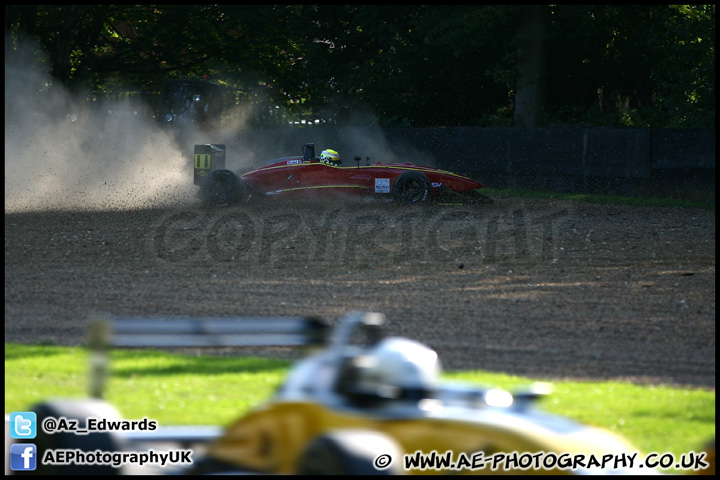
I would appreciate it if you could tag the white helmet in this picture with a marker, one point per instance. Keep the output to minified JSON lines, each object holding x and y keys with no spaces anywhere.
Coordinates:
{"x":396,"y":368}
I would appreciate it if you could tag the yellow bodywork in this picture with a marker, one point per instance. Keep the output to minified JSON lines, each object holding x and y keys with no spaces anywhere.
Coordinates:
{"x":272,"y":439}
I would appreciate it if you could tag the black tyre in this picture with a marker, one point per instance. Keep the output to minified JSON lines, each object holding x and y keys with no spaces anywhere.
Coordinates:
{"x":351,"y":452}
{"x":221,"y":188}
{"x":411,"y":188}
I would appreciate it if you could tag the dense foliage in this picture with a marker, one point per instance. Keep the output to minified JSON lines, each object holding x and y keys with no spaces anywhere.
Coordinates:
{"x":415,"y":65}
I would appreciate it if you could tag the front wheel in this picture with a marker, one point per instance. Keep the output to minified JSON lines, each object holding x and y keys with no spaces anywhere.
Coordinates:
{"x":221,"y":188}
{"x":411,"y":188}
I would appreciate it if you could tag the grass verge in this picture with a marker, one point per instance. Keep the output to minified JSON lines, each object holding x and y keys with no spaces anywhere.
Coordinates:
{"x":184,"y":389}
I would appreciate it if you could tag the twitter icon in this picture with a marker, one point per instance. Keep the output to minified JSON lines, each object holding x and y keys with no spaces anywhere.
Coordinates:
{"x":23,"y":425}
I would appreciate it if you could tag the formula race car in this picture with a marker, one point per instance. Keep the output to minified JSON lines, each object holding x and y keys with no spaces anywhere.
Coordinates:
{"x":364,"y":403}
{"x":310,"y":176}
{"x":367,"y":400}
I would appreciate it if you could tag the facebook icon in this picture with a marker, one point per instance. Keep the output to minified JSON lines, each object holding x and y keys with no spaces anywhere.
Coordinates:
{"x":23,"y":457}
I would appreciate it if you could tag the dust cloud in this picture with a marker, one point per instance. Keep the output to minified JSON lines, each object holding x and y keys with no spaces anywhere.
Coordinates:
{"x":62,"y":154}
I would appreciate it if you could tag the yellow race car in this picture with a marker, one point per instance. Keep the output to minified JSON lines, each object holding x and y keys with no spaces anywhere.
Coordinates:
{"x":370,"y":404}
{"x":363,"y":403}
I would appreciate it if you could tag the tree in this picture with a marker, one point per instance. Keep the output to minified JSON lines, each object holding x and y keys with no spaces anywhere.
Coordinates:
{"x":631,"y":65}
{"x":408,"y":65}
{"x":530,"y":96}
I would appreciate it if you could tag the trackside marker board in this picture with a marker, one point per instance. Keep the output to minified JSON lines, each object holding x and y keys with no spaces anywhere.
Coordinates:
{"x":173,"y":332}
{"x":213,"y":332}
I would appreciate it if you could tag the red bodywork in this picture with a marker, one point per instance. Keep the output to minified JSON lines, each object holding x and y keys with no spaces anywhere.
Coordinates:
{"x":295,"y":176}
{"x":307,"y":176}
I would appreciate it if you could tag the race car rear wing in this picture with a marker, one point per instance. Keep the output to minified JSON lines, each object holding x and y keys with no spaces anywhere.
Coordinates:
{"x":207,"y":158}
{"x":180,"y":332}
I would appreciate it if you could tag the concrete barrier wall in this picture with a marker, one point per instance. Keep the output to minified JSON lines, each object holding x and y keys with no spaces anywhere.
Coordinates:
{"x":608,"y":152}
{"x":664,"y":163}
{"x":680,"y":149}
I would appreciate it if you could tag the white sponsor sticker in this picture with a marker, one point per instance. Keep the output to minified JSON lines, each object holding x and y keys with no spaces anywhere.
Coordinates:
{"x":382,"y":185}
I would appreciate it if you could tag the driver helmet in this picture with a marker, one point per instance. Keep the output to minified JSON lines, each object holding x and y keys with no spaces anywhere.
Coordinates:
{"x":330,"y":157}
{"x":408,"y":368}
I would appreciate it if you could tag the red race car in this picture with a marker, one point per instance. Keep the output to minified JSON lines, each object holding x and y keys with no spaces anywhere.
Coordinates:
{"x":310,"y":176}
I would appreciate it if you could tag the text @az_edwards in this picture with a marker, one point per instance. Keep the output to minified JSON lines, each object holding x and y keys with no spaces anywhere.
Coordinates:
{"x":51,"y":425}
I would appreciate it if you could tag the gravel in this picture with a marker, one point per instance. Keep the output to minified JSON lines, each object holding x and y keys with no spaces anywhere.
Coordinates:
{"x":540,"y":288}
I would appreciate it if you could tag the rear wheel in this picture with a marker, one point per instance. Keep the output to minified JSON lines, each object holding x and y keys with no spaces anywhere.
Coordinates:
{"x":411,"y":187}
{"x":222,"y":188}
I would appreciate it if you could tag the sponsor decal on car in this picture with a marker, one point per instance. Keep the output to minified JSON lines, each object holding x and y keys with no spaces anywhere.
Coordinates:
{"x":382,"y":185}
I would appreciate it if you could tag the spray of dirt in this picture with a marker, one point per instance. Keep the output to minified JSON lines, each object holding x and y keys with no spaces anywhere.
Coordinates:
{"x":61,"y":154}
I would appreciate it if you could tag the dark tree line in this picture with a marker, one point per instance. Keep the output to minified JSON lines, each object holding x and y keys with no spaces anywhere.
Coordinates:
{"x":416,"y":65}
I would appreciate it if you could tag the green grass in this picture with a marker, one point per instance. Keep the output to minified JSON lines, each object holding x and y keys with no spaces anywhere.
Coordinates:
{"x":168,"y":387}
{"x":183,"y":389}
{"x":601,"y":199}
{"x":654,"y":418}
